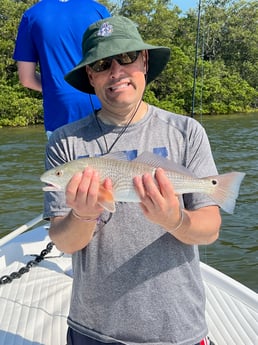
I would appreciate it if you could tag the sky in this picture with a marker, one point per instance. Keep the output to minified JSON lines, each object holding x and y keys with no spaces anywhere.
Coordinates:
{"x":184,"y":5}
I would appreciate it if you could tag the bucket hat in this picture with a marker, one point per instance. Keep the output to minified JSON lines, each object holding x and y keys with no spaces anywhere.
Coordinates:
{"x":112,"y":36}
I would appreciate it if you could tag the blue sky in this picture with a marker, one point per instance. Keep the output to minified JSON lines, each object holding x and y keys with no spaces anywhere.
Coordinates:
{"x":184,"y":5}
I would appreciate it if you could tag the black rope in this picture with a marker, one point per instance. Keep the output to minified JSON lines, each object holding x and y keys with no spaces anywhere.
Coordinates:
{"x":6,"y":279}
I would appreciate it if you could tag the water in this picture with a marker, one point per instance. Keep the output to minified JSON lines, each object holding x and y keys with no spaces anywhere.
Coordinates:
{"x":21,"y":163}
{"x":234,"y":143}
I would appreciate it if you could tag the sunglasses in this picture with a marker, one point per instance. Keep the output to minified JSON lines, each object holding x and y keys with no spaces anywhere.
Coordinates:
{"x":122,"y":59}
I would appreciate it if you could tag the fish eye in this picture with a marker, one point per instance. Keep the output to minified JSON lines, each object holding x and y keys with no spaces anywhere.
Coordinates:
{"x":214,"y":182}
{"x":59,"y":173}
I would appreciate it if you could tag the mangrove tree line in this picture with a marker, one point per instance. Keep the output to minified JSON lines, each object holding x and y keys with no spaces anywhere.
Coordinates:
{"x":227,"y":59}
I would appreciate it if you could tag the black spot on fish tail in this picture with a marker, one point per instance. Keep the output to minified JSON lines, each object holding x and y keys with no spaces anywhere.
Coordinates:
{"x":226,"y":190}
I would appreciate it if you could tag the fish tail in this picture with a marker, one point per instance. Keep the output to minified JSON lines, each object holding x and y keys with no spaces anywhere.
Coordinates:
{"x":227,"y":190}
{"x":106,"y":199}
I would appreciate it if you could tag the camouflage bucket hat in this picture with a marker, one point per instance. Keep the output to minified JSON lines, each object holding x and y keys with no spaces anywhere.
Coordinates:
{"x":112,"y":36}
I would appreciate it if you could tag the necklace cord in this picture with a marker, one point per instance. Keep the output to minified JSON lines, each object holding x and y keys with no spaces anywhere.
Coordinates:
{"x":108,"y":150}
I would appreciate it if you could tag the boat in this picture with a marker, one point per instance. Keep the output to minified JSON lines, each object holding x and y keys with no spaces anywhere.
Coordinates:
{"x":36,"y":283}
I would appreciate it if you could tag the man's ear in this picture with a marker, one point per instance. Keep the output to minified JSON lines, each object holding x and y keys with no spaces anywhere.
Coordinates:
{"x":145,"y":61}
{"x":88,"y":71}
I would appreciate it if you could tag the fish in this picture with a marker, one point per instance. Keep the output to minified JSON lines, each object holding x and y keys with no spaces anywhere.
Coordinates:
{"x":223,"y":189}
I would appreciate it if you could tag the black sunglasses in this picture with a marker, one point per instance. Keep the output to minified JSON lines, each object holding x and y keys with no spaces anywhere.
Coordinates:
{"x":122,"y":59}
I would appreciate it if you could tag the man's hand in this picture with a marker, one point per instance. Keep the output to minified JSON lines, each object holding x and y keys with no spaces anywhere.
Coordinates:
{"x":82,"y":193}
{"x":160,"y":205}
{"x":159,"y":202}
{"x":74,"y":231}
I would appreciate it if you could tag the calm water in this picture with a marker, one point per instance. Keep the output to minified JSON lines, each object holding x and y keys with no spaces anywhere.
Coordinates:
{"x":21,"y":163}
{"x":234,"y":142}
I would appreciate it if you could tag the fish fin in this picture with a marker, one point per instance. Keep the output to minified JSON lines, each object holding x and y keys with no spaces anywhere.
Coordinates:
{"x":227,"y":190}
{"x":106,"y":199}
{"x":119,"y":155}
{"x":153,"y":160}
{"x":157,"y":161}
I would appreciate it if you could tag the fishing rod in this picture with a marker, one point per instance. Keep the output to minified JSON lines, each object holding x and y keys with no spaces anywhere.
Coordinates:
{"x":196,"y":57}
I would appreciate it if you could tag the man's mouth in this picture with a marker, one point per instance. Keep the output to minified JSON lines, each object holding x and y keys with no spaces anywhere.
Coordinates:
{"x":118,"y":87}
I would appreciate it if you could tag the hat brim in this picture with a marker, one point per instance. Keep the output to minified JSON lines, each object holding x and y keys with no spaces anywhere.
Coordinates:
{"x":158,"y":59}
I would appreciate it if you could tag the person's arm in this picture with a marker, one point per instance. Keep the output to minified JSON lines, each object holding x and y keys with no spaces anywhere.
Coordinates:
{"x":161,"y":206}
{"x":28,"y":75}
{"x":71,"y":233}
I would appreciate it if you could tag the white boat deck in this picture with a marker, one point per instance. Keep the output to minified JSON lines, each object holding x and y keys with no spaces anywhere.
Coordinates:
{"x":231,"y":309}
{"x":34,"y":308}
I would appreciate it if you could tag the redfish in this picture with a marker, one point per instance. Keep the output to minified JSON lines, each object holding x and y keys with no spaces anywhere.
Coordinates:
{"x":223,"y":189}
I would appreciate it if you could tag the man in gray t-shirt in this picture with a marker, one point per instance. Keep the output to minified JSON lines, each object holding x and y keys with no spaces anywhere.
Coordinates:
{"x":136,"y":271}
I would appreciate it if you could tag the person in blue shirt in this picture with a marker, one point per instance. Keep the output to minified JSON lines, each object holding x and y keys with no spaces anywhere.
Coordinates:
{"x":50,"y":35}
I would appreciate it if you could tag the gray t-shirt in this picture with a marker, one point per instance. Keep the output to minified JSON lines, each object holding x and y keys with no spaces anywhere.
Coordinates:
{"x":135,"y":283}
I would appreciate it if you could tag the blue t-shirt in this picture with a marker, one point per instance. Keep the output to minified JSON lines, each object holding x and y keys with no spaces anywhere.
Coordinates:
{"x":50,"y":33}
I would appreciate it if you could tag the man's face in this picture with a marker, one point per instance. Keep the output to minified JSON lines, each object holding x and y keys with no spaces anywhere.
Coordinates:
{"x":119,"y":87}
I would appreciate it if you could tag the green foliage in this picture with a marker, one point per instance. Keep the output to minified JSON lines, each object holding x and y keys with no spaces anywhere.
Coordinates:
{"x":17,"y":109}
{"x":227,"y":73}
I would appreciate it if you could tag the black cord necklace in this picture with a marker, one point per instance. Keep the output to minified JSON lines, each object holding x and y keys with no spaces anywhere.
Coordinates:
{"x":108,"y":149}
